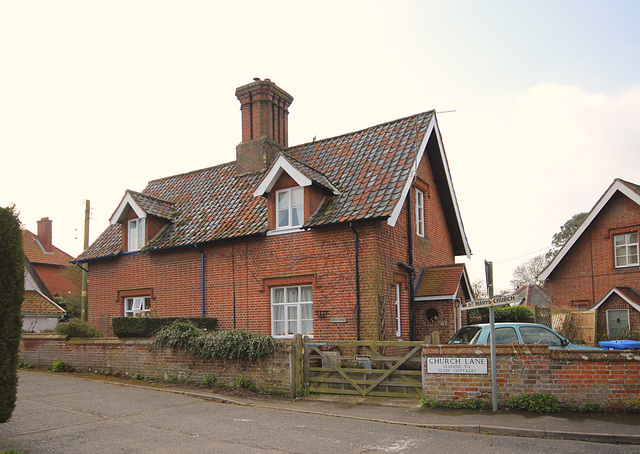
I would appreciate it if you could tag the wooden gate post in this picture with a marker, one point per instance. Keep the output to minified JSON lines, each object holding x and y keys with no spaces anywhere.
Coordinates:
{"x":298,"y":374}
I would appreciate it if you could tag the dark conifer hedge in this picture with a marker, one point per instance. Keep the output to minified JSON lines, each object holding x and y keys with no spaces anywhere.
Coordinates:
{"x":11,"y":296}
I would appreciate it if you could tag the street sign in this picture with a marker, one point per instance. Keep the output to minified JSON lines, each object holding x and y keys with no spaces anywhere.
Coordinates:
{"x":488,"y":302}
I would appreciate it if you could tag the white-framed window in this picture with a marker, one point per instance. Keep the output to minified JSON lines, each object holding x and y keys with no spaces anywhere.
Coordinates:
{"x":135,"y":234}
{"x":291,"y":311}
{"x":419,"y":213}
{"x":398,"y":327}
{"x":136,"y":306}
{"x":626,"y":249}
{"x":289,"y":208}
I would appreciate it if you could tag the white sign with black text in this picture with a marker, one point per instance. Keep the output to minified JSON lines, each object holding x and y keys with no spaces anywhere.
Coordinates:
{"x":440,"y":365}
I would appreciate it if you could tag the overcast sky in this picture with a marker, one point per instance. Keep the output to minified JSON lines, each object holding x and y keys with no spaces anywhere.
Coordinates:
{"x":540,"y":100}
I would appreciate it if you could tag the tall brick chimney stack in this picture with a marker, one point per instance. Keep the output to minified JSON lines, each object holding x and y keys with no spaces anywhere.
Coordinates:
{"x":45,"y":234}
{"x":264,"y":108}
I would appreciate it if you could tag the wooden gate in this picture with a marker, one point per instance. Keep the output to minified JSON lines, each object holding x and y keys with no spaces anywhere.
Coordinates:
{"x":369,"y":368}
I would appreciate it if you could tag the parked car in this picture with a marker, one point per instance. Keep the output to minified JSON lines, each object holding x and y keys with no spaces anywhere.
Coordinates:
{"x":515,"y":333}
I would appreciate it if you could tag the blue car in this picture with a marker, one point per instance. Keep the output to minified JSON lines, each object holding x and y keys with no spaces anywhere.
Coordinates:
{"x":515,"y":333}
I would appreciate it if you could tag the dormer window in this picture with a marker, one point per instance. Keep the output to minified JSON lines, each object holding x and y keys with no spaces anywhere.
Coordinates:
{"x":290,"y":208}
{"x":136,"y":234}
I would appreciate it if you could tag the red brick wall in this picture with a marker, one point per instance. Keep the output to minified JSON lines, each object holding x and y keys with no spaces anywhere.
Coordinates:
{"x":131,"y":356}
{"x":616,"y":302}
{"x":588,"y":271}
{"x":240,"y":273}
{"x":62,"y":281}
{"x":607,"y":378}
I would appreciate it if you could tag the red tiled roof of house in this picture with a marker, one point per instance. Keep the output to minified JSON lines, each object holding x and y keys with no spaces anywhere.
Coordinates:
{"x":36,"y":303}
{"x":368,"y":168}
{"x":440,"y":281}
{"x":36,"y":254}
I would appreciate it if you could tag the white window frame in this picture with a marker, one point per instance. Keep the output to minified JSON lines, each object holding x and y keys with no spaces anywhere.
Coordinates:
{"x":630,"y":246}
{"x":135,"y":234}
{"x":280,"y":326}
{"x":137,"y":305}
{"x":289,"y":208}
{"x":419,"y":213}
{"x":398,"y":324}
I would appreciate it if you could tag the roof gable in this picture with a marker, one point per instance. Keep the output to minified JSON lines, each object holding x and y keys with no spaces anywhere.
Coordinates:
{"x":36,"y":303}
{"x":142,"y":205}
{"x":632,"y":191}
{"x":628,"y":294}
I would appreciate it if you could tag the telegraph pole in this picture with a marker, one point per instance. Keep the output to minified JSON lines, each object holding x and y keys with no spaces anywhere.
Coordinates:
{"x":85,"y":276}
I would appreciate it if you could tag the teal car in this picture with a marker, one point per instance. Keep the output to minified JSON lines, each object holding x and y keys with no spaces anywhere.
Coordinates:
{"x":515,"y":333}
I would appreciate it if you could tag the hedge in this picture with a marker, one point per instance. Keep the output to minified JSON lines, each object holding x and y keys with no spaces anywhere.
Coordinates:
{"x":11,"y":297}
{"x":149,"y":326}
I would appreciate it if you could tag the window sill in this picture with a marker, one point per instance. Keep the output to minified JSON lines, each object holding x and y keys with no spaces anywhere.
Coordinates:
{"x":285,"y":231}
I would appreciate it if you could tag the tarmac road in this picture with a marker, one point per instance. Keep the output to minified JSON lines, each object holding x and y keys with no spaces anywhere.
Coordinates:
{"x":60,"y":413}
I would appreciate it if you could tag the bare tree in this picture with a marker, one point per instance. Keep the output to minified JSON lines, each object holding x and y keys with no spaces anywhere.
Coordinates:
{"x":528,"y":271}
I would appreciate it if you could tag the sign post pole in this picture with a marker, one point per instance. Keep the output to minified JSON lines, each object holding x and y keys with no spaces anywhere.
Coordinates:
{"x":488,"y":268}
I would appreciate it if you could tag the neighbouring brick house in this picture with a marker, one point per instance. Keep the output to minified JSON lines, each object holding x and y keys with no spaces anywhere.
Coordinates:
{"x":598,"y":267}
{"x":48,"y":275}
{"x":325,"y":238}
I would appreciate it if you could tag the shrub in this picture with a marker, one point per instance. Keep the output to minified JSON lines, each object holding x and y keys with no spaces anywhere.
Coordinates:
{"x":25,"y":365}
{"x":457,"y":404}
{"x":233,"y":344}
{"x":514,"y":314}
{"x":59,"y":366}
{"x":77,"y":328}
{"x":209,"y":379}
{"x":535,"y":403}
{"x":149,"y":326}
{"x":243,"y":382}
{"x":12,"y":285}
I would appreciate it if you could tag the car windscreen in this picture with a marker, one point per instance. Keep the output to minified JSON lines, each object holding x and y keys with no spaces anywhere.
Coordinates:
{"x":465,"y":335}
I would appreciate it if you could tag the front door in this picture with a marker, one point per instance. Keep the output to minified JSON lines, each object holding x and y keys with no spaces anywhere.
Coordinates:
{"x":617,"y":322}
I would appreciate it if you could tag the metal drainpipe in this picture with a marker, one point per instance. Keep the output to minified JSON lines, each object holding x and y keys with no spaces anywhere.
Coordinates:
{"x":412,"y":296}
{"x":357,"y":283}
{"x":202,"y":270}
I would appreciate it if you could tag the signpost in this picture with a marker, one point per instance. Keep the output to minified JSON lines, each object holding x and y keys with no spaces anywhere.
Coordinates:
{"x":492,"y":302}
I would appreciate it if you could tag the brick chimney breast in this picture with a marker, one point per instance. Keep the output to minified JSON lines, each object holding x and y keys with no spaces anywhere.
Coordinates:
{"x":45,"y":234}
{"x":264,"y":109}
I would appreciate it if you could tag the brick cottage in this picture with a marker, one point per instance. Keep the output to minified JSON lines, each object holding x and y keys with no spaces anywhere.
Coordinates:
{"x":598,"y":268}
{"x":352,"y":237}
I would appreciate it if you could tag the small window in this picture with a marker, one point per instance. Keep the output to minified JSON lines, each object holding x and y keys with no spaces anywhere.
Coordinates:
{"x":504,"y":335}
{"x":291,"y":311}
{"x":137,"y":306}
{"x":626,"y":249}
{"x":136,"y":234}
{"x":398,"y":326}
{"x":290,"y":208}
{"x":419,"y":213}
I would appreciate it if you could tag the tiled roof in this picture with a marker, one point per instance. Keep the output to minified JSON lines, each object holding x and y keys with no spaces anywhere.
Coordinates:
{"x":36,"y":303}
{"x":153,"y":206}
{"x":534,"y":295}
{"x":440,"y":281}
{"x":368,"y":170}
{"x":34,"y":252}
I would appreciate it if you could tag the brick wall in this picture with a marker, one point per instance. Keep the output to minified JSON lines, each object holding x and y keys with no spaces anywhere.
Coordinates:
{"x":239,"y":274}
{"x":587,"y":272}
{"x":616,"y":302}
{"x":608,"y":378}
{"x":131,"y":356}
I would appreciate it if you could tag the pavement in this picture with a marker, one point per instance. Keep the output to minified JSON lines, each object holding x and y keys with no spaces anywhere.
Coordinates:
{"x":614,"y":428}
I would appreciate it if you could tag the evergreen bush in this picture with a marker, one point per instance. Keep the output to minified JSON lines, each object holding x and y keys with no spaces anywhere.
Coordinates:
{"x":77,"y":328}
{"x":149,"y":326}
{"x":11,"y":297}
